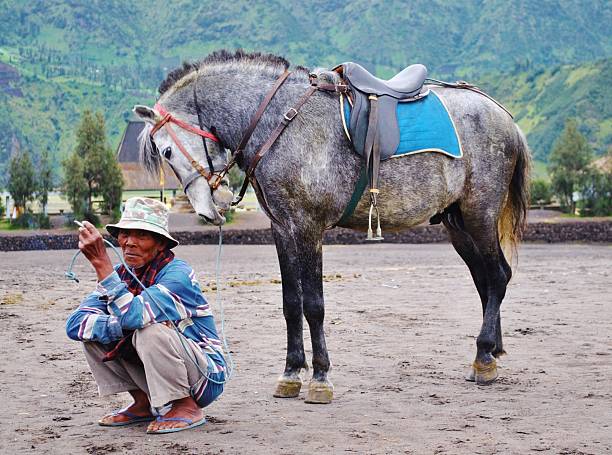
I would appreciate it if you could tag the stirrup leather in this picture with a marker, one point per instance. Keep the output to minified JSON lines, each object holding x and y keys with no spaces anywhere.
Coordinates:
{"x":372,"y":160}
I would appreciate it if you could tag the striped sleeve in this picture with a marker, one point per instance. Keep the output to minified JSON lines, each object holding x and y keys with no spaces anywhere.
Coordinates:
{"x":91,"y":322}
{"x":171,"y":298}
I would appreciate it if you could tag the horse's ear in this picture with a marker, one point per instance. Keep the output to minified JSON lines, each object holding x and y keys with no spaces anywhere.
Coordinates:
{"x":146,"y":113}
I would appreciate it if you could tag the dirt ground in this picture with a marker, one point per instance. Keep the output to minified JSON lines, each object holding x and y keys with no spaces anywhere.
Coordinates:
{"x":401,"y":324}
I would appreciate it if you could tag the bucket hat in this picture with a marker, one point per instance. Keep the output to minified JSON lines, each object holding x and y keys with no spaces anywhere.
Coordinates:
{"x":146,"y":214}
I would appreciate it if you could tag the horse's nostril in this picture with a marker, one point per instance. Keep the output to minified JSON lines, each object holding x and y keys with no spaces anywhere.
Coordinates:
{"x":207,"y":219}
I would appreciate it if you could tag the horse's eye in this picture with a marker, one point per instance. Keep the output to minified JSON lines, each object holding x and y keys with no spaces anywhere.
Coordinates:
{"x":167,"y":153}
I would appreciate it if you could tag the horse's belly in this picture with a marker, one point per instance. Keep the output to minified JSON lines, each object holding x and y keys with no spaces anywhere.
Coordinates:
{"x":412,"y":190}
{"x":392,"y":216}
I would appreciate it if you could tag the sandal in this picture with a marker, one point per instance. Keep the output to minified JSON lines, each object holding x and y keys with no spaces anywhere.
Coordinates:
{"x":132,"y":419}
{"x":190,"y":424}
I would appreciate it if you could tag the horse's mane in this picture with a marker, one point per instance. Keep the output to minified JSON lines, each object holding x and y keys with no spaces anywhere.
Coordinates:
{"x":182,"y":76}
{"x":224,"y":56}
{"x":148,"y":152}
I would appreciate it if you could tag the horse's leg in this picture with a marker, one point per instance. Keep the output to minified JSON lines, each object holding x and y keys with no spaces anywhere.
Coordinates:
{"x":320,"y":389}
{"x":464,"y":245}
{"x":290,"y":383}
{"x":491,"y":274}
{"x":301,"y":261}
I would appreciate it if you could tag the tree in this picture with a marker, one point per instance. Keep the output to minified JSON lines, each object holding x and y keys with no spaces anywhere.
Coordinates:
{"x":568,"y":163}
{"x":21,"y":185}
{"x":92,"y":169}
{"x":112,"y":187}
{"x":75,"y":185}
{"x":45,"y":181}
{"x":92,"y":148}
{"x":540,"y":193}
{"x":596,"y":192}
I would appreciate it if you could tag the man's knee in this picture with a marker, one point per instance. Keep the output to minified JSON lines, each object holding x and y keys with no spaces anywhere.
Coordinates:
{"x":93,"y":350}
{"x":150,"y":336}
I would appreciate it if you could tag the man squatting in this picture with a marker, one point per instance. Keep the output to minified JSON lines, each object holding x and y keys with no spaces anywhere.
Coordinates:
{"x":129,"y":336}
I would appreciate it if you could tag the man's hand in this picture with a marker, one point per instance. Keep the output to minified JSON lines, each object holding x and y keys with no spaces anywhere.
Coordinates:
{"x":92,"y":246}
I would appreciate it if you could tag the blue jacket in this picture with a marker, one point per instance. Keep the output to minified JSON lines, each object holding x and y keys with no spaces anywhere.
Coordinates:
{"x":111,"y":309}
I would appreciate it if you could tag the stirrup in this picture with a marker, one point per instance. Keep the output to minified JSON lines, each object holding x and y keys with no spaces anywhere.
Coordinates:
{"x":378,"y":230}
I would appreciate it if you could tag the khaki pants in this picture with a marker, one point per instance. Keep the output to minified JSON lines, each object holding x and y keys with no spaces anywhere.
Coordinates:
{"x":166,"y":373}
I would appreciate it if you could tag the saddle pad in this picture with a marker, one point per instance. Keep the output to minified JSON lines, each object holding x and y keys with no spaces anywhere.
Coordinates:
{"x":425,"y":126}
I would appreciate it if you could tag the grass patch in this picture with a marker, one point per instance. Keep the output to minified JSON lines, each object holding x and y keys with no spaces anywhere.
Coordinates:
{"x":580,"y":73}
{"x":11,"y":299}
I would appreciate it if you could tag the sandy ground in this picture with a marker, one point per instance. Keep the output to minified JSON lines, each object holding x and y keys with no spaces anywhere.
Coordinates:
{"x":401,"y":324}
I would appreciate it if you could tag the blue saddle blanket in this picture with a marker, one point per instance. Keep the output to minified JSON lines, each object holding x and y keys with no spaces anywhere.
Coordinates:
{"x":425,"y":126}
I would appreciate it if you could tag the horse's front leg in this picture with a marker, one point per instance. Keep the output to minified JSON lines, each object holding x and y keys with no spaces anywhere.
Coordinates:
{"x":320,"y":390}
{"x":300,"y":257}
{"x":290,"y":383}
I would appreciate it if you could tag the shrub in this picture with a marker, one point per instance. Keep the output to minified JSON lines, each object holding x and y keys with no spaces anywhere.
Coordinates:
{"x":596,"y":194}
{"x":541,"y":192}
{"x":31,"y":220}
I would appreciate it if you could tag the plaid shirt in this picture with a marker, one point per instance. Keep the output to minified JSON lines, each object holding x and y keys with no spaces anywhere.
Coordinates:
{"x":111,"y":308}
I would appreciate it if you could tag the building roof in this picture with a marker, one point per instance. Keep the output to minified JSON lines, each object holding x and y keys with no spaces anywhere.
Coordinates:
{"x":134,"y":174}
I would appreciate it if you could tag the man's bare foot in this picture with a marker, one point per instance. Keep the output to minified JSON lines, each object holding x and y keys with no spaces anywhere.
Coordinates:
{"x":139,"y":411}
{"x":184,"y":413}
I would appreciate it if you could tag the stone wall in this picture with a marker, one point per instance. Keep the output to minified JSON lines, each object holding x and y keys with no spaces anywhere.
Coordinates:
{"x":577,"y":231}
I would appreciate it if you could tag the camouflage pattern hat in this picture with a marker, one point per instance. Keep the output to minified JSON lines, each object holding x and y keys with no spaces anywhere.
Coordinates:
{"x":146,"y":214}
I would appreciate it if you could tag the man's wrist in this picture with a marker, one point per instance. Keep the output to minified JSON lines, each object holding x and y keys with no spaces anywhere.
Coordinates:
{"x":103,"y":267}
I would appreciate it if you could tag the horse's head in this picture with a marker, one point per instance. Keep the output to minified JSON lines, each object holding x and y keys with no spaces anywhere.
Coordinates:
{"x":194,"y":154}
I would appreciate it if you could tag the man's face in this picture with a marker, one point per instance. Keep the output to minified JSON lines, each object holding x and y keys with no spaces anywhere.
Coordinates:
{"x":139,"y":247}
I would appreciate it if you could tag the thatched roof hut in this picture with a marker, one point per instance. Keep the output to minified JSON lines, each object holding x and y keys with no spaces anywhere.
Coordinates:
{"x":135,"y":176}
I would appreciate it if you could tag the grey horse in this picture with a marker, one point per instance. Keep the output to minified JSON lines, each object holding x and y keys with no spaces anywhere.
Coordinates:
{"x":307,"y":179}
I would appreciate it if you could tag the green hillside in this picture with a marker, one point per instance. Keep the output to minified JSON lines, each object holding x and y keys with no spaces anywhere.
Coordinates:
{"x":542,"y":100}
{"x":547,"y":60}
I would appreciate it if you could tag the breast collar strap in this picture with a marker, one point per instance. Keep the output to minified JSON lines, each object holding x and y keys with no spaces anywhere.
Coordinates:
{"x":285,"y":121}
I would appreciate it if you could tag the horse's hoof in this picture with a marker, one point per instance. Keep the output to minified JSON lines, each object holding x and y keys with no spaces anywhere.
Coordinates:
{"x":287,"y":387}
{"x":320,"y":392}
{"x":471,"y":375}
{"x":485,"y":373}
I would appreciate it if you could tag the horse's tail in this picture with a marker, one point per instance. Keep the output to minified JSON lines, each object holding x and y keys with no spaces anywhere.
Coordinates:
{"x":513,"y":217}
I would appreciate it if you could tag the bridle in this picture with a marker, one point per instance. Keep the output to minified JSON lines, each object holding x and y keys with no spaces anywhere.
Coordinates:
{"x":214,"y":178}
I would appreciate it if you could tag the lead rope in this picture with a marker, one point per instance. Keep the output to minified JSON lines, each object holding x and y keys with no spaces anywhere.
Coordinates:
{"x":230,"y":362}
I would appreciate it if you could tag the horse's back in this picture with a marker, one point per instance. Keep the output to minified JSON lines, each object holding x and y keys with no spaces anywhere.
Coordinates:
{"x":415,"y":187}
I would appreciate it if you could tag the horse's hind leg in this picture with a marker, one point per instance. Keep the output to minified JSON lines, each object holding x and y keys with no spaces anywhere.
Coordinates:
{"x":476,"y":241}
{"x":464,"y":245}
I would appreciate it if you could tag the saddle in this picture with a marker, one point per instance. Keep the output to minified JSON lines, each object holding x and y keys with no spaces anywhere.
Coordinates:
{"x":374,"y":129}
